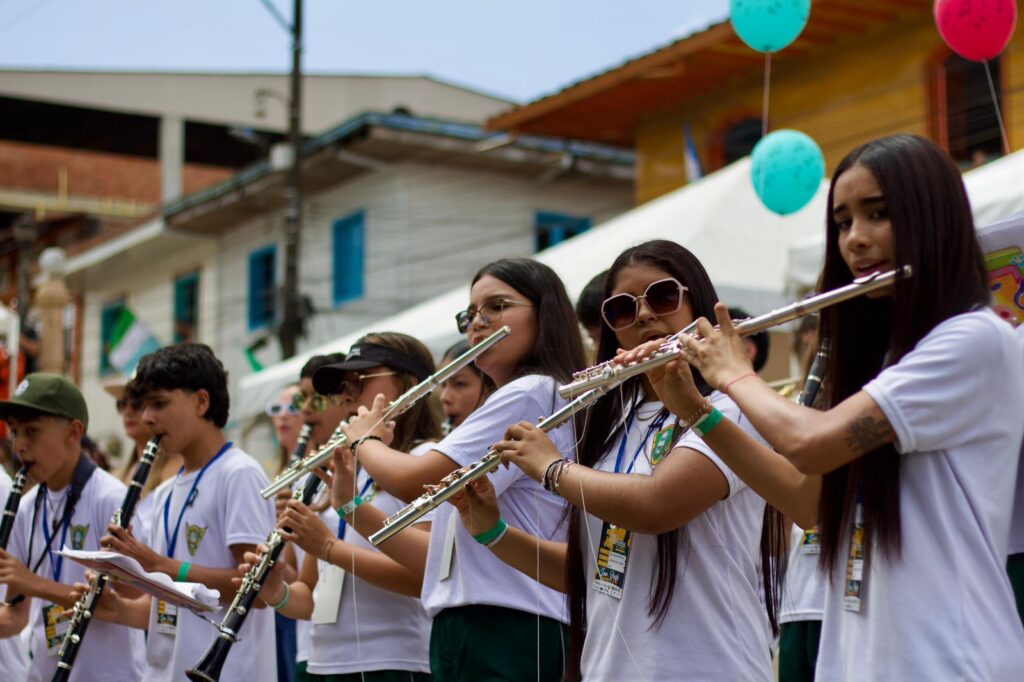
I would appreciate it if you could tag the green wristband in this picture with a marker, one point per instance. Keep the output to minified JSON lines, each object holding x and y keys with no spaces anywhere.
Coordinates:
{"x":183,"y":572}
{"x":349,"y":507}
{"x":284,"y":602}
{"x":488,"y":537}
{"x":708,"y":422}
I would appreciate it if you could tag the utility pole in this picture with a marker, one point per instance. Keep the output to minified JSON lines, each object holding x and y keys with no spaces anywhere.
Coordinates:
{"x":288,"y":331}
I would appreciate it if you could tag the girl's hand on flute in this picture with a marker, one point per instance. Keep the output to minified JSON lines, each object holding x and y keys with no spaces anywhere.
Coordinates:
{"x":718,"y":354}
{"x":477,"y":505}
{"x":675,"y":388}
{"x":370,"y":422}
{"x":528,"y":448}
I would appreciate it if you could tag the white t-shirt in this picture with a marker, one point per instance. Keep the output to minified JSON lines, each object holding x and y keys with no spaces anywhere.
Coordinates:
{"x":944,"y":609}
{"x":1017,"y":523}
{"x":102,"y":495}
{"x":226,"y":510}
{"x":477,"y":576}
{"x":376,"y":628}
{"x":145,"y":516}
{"x":13,"y":650}
{"x":304,"y":628}
{"x":716,"y":627}
{"x":803,"y":588}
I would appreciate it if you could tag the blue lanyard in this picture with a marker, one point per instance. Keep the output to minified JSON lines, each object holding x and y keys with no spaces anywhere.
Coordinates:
{"x":172,"y":540}
{"x":643,"y":441}
{"x":56,"y":565}
{"x":341,"y":519}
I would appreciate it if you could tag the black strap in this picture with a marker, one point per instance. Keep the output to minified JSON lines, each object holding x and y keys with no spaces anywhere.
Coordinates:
{"x":83,"y":470}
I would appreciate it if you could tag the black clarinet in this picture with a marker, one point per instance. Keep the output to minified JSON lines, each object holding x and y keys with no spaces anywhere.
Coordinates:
{"x":11,"y":510}
{"x":209,"y":668}
{"x":812,"y":384}
{"x":86,"y":604}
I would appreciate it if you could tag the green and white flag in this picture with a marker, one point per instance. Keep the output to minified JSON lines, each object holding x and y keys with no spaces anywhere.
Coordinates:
{"x":130,"y":340}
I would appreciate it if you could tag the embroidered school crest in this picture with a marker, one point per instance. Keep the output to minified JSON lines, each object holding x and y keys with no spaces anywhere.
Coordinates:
{"x":662,"y":444}
{"x":78,"y":534}
{"x":194,"y":537}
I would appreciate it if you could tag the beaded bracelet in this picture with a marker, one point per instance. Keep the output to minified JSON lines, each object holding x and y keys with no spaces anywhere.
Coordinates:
{"x":546,"y":478}
{"x":362,"y":440}
{"x":705,"y":408}
{"x":556,"y":481}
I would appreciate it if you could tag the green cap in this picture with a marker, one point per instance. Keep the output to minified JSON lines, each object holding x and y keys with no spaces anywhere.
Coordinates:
{"x":49,"y":394}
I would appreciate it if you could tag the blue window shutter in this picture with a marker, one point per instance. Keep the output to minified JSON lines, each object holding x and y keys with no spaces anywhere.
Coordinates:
{"x":550,"y":228}
{"x":349,"y":235}
{"x":262,"y":287}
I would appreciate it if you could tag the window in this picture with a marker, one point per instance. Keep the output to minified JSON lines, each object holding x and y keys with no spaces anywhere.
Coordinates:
{"x":262,"y":287}
{"x":964,"y":116}
{"x":108,"y":321}
{"x":349,"y":257}
{"x":740,"y":139}
{"x":553,"y":228}
{"x":186,"y":307}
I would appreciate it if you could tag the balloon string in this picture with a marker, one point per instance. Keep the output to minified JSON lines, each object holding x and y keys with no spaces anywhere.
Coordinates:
{"x":999,"y":113}
{"x":767,"y":90}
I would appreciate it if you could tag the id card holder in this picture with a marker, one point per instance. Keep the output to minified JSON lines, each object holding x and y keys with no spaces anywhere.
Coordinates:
{"x":810,"y":542}
{"x":612,"y":560}
{"x":56,"y":626}
{"x":855,"y":578}
{"x":448,"y":551}
{"x":327,"y":595}
{"x":166,"y":618}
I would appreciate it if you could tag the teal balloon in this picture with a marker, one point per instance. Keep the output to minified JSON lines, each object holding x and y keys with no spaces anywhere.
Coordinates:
{"x":769,"y":25}
{"x":787,"y":168}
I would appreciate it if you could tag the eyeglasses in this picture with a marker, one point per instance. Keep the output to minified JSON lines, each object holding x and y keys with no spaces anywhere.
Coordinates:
{"x":281,"y":409}
{"x":663,"y":298}
{"x":489,"y":313}
{"x":125,"y":402}
{"x":352,"y":386}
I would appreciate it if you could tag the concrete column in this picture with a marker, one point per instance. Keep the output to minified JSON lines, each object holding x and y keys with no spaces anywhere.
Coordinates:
{"x":52,"y":300}
{"x":172,"y":157}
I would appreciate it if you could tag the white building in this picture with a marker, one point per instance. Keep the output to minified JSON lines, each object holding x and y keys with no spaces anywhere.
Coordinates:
{"x":397,"y":209}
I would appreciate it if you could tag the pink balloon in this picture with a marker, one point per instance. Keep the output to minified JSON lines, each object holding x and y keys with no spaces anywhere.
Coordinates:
{"x":976,"y":29}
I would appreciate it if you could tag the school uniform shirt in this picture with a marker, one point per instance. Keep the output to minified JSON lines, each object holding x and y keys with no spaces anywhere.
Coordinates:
{"x":1017,"y":523}
{"x":942,"y":610}
{"x":803,"y":587}
{"x":13,"y":650}
{"x":226,"y":510}
{"x":109,"y":651}
{"x":376,"y":629}
{"x":716,"y":627}
{"x":474,"y":574}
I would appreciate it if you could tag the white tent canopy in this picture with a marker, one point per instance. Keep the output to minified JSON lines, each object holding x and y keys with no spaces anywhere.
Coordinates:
{"x":996,"y":191}
{"x":719,"y":218}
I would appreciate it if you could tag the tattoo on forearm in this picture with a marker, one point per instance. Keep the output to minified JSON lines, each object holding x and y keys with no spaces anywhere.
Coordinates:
{"x":866,"y":433}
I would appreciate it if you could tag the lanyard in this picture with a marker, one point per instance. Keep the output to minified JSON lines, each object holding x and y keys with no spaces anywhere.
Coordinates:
{"x":643,"y":441}
{"x":341,"y":519}
{"x":56,"y":565}
{"x":172,"y":540}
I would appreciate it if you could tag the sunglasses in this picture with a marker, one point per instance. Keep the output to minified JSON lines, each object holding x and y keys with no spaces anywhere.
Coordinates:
{"x":125,"y":402}
{"x":281,"y":409}
{"x":352,"y":385}
{"x":317,"y":402}
{"x":663,"y":297}
{"x":489,"y":313}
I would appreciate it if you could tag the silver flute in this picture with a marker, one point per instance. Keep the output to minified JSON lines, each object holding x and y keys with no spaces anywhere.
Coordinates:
{"x":311,"y":462}
{"x":612,"y":374}
{"x":456,"y":480}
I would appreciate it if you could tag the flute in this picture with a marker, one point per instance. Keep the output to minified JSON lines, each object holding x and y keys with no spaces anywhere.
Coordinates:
{"x":11,"y":509}
{"x":86,"y":604}
{"x":612,"y":374}
{"x":456,"y":480}
{"x":405,"y":401}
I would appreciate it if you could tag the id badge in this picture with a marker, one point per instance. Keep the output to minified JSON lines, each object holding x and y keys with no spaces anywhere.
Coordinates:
{"x":56,"y":626}
{"x":810,"y":543}
{"x":612,"y":559}
{"x":448,"y":550}
{"x":327,"y":595}
{"x":166,"y":618}
{"x":853,"y":594}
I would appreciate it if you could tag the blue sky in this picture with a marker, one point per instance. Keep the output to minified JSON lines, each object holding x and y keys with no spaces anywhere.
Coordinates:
{"x":519,"y":50}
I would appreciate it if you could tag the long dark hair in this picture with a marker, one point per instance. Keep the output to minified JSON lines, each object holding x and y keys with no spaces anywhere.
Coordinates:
{"x":933,"y":233}
{"x":603,"y":425}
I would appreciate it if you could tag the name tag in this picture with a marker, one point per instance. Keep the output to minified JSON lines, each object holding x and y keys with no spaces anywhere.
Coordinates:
{"x":810,"y":543}
{"x":855,"y":578}
{"x":327,"y":594}
{"x":166,"y":618}
{"x":612,"y":560}
{"x":56,"y":626}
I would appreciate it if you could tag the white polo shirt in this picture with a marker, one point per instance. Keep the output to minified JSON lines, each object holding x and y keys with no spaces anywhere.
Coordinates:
{"x":13,"y":650}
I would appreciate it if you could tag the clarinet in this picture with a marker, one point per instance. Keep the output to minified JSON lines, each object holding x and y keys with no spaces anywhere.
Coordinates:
{"x":11,"y":510}
{"x":812,"y":384}
{"x":86,"y":604}
{"x":209,"y":668}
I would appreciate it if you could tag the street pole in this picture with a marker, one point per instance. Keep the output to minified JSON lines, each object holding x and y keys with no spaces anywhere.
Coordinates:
{"x":288,"y":331}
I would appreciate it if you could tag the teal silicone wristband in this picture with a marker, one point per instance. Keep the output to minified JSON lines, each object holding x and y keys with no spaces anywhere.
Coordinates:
{"x":287,"y":596}
{"x":707,"y":424}
{"x":349,"y":507}
{"x":183,"y":572}
{"x":487,"y":537}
